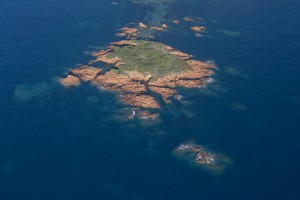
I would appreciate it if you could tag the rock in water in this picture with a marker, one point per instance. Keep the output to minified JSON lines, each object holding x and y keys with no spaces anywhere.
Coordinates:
{"x":197,"y":28}
{"x":70,"y":80}
{"x":199,"y":155}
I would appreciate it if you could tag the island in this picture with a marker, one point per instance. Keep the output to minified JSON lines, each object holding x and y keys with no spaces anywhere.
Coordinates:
{"x":145,"y":74}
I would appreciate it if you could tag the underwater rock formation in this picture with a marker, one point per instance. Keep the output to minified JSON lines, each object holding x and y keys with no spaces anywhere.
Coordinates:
{"x":188,"y":19}
{"x":25,"y":92}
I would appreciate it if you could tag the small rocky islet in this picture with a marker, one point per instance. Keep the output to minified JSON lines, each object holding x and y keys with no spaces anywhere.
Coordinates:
{"x":141,"y":69}
{"x":199,"y":155}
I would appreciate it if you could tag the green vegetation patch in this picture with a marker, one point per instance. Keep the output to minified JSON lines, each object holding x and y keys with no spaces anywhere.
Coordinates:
{"x":148,"y":57}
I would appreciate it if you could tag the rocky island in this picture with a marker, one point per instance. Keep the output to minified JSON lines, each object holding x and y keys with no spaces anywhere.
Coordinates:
{"x":145,"y":73}
{"x":198,"y":155}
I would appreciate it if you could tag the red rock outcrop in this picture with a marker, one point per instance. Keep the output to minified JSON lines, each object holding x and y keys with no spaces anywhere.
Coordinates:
{"x":197,"y":28}
{"x":140,"y":100}
{"x":129,"y":31}
{"x":86,"y":73}
{"x":181,"y":55}
{"x":164,"y":26}
{"x":156,"y":28}
{"x":101,"y":53}
{"x":168,"y":48}
{"x":124,"y":43}
{"x":119,"y":83}
{"x":138,"y":76}
{"x":142,"y":25}
{"x":165,"y":92}
{"x":70,"y":80}
{"x":104,"y":59}
{"x":121,"y":34}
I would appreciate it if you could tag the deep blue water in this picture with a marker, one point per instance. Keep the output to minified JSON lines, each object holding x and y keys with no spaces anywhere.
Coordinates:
{"x":61,"y":144}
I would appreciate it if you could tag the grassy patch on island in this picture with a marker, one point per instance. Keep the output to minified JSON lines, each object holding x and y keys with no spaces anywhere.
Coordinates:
{"x":148,"y":57}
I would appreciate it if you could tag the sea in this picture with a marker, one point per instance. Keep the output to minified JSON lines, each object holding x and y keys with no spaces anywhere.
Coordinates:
{"x":60,"y":143}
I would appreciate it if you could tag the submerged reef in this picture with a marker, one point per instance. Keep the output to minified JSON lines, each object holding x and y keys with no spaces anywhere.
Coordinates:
{"x":25,"y":92}
{"x":144,"y":73}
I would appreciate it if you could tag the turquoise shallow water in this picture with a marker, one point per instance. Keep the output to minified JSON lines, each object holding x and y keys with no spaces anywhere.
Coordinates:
{"x":58,"y":143}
